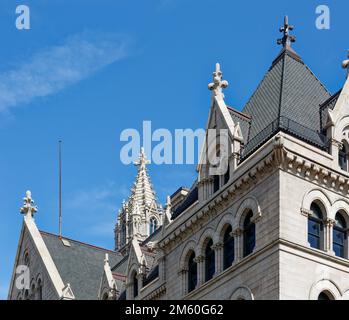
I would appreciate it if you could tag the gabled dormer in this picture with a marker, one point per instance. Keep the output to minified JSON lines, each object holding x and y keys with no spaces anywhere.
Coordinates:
{"x":224,"y":139}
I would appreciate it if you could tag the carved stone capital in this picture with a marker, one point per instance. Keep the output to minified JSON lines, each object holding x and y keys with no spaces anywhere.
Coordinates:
{"x":237,"y":232}
{"x":199,"y":259}
{"x":217,"y":246}
{"x":330,"y":222}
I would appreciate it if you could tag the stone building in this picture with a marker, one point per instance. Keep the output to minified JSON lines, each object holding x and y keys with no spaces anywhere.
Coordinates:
{"x":272,"y":226}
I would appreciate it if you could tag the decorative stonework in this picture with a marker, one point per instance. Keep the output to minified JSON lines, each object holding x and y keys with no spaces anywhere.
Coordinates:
{"x":134,"y":218}
{"x":345,"y":65}
{"x":218,"y":84}
{"x":29,"y":207}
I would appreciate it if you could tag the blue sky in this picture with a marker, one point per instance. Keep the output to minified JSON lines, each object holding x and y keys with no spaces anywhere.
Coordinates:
{"x":88,"y":69}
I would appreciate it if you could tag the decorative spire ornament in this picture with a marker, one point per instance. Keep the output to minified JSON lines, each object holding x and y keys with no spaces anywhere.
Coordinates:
{"x":345,"y":65}
{"x":287,"y":39}
{"x":29,"y":207}
{"x":218,"y":84}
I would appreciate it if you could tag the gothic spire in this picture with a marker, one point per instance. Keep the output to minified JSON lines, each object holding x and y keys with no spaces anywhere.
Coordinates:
{"x":142,"y":191}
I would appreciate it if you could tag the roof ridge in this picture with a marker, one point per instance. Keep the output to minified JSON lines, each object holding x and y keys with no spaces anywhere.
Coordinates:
{"x":79,"y":242}
{"x":240,"y":113}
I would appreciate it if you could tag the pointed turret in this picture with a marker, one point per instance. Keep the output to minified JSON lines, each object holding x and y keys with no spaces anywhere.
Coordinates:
{"x":141,"y":214}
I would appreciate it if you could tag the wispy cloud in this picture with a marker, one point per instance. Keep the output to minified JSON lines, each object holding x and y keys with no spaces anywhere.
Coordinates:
{"x":57,"y":67}
{"x":99,"y":206}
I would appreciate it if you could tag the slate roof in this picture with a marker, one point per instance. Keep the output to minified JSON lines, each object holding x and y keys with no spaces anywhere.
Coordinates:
{"x":288,"y":89}
{"x":243,"y":119}
{"x":291,"y":93}
{"x":81,"y":264}
{"x":190,"y":199}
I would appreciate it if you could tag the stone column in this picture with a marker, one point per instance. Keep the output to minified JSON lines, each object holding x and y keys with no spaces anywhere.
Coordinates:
{"x":328,"y":236}
{"x":200,"y":260}
{"x":183,"y":275}
{"x":238,"y":243}
{"x":218,"y":253}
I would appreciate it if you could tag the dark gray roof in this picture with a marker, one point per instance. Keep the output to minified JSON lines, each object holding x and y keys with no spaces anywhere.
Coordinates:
{"x":290,"y":90}
{"x":191,"y":198}
{"x":243,"y":119}
{"x":81,"y":264}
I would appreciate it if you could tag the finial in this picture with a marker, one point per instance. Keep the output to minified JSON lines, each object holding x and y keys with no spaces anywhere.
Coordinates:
{"x":287,"y":39}
{"x":168,"y":202}
{"x":218,"y":84}
{"x":345,"y":65}
{"x":142,"y":160}
{"x":29,"y":207}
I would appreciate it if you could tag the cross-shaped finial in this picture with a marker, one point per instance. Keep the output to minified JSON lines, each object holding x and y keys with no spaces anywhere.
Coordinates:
{"x":218,"y":84}
{"x":345,"y":65}
{"x":287,"y":39}
{"x":142,"y":160}
{"x":29,"y":207}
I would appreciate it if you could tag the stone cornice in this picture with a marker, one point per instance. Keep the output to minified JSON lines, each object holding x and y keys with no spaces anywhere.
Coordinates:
{"x":316,"y":173}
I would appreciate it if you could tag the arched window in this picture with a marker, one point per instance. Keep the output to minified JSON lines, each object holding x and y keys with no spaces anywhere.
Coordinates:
{"x":324,"y":295}
{"x":215,"y":183}
{"x":153,"y":225}
{"x":123,"y":233}
{"x":227,"y":175}
{"x":26,"y":259}
{"x":192,"y":273}
{"x":315,"y":227}
{"x":135,"y":285}
{"x":209,"y":261}
{"x":228,"y":248}
{"x":39,"y":289}
{"x":343,"y":158}
{"x":249,"y":234}
{"x":339,"y":236}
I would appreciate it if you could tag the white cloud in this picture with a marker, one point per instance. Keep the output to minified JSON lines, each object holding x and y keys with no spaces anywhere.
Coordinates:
{"x":99,"y":206}
{"x":57,"y":67}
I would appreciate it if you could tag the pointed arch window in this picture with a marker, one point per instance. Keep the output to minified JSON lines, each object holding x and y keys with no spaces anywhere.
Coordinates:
{"x":153,"y":225}
{"x":39,"y":289}
{"x":209,"y":261}
{"x":249,"y":232}
{"x":192,"y":273}
{"x":315,"y":226}
{"x":123,"y":233}
{"x":228,"y":248}
{"x":340,"y":236}
{"x":343,"y":158}
{"x":135,"y":285}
